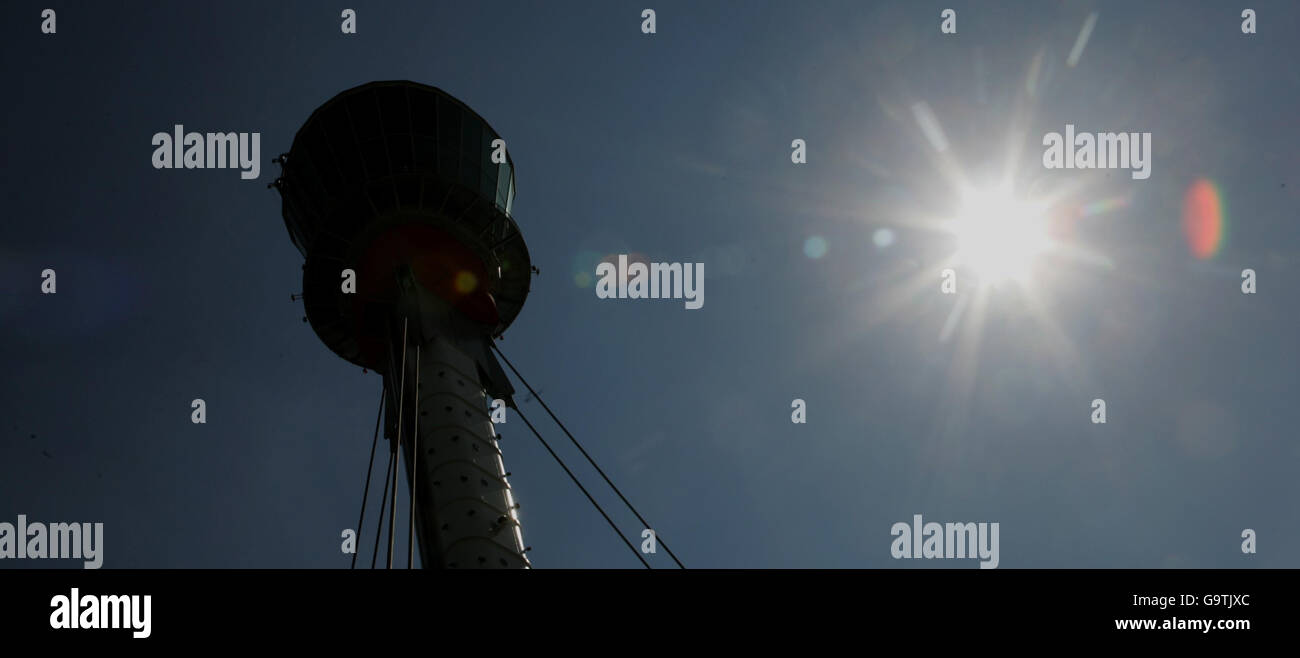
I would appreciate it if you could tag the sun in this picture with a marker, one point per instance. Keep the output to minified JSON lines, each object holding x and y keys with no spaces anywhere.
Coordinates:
{"x":999,"y":236}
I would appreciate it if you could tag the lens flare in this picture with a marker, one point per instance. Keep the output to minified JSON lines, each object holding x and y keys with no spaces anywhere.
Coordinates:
{"x":466,"y":282}
{"x":1102,"y":206}
{"x":814,"y":247}
{"x":584,"y":268}
{"x":882,"y":238}
{"x":1204,"y":222}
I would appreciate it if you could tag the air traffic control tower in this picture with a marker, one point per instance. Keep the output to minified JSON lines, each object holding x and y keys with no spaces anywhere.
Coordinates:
{"x":395,"y":182}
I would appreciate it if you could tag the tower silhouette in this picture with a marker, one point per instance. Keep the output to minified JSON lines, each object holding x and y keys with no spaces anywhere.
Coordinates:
{"x":395,"y":182}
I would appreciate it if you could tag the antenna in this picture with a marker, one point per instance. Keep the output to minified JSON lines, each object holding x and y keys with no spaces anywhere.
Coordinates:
{"x":395,"y":181}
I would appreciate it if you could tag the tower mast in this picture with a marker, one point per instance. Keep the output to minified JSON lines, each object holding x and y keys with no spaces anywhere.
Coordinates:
{"x":406,"y":192}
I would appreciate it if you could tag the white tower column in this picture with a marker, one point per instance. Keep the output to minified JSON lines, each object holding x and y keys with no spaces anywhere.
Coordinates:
{"x":465,"y":511}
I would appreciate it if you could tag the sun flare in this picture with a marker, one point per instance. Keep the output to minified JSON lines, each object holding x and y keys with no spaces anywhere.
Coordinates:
{"x":999,"y":236}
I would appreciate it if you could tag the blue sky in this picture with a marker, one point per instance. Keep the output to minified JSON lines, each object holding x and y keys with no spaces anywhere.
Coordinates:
{"x":175,"y":284}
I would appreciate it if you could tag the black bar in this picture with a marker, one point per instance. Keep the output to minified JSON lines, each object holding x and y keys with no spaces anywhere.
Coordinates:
{"x":534,"y":609}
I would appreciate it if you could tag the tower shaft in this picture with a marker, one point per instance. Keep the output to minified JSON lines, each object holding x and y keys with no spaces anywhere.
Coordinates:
{"x":465,"y":515}
{"x":400,"y":189}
